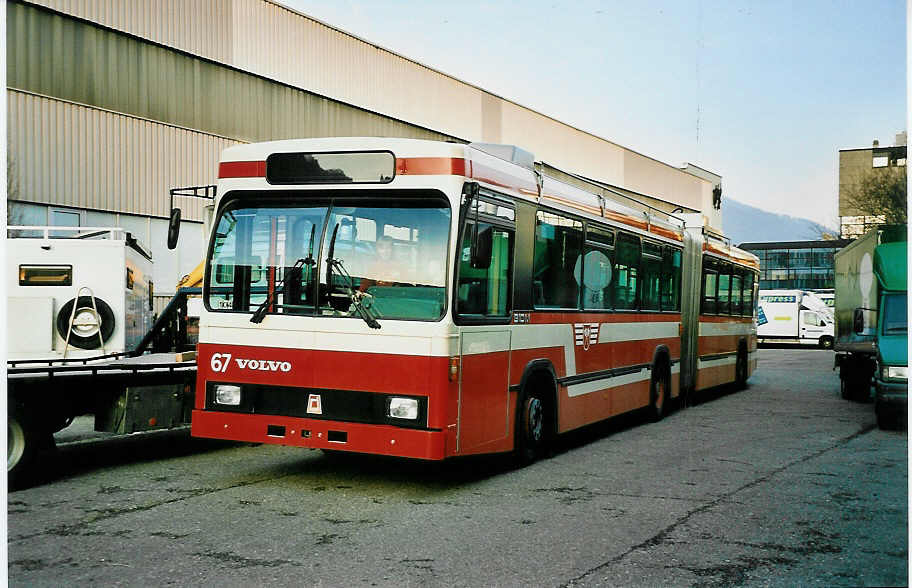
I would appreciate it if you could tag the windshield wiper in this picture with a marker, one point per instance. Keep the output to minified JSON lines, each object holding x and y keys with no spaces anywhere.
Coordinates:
{"x":354,"y":295}
{"x":260,"y":313}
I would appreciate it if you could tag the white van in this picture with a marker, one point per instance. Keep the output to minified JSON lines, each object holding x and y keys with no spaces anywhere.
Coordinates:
{"x":75,"y":292}
{"x":794,"y":316}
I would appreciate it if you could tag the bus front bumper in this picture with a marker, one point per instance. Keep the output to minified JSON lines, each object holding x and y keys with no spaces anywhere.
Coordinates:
{"x":319,"y":434}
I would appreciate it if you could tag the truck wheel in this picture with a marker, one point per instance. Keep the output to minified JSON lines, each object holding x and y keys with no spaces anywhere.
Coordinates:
{"x":887,"y":419}
{"x":84,"y":334}
{"x":826,"y":342}
{"x":24,"y":442}
{"x":855,"y":380}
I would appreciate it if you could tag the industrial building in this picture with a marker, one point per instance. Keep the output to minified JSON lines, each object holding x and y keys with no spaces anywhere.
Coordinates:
{"x":112,"y":103}
{"x":854,"y":164}
{"x":806,"y":265}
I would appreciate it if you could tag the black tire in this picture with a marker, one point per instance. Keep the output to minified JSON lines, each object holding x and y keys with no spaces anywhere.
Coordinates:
{"x":741,"y":369}
{"x":855,"y":383}
{"x":531,"y":428}
{"x":25,"y":441}
{"x":886,"y":418}
{"x":86,"y":337}
{"x":825,"y":342}
{"x":659,"y":392}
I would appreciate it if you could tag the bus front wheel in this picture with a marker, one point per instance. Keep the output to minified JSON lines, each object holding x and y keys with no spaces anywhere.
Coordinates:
{"x":531,"y":427}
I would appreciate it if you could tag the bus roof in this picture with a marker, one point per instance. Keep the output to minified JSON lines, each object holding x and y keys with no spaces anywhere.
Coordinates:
{"x":422,"y":157}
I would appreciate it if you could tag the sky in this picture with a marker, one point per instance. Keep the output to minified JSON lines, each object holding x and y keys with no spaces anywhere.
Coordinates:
{"x":762,"y":93}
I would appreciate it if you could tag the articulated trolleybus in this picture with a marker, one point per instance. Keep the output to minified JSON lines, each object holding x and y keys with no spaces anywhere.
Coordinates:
{"x":428,"y":300}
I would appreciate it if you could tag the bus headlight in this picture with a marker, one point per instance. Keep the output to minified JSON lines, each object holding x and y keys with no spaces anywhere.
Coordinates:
{"x":896,"y":372}
{"x":227,"y":394}
{"x":403,"y":408}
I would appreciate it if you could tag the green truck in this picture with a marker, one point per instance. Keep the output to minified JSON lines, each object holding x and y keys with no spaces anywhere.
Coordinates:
{"x":871,"y":321}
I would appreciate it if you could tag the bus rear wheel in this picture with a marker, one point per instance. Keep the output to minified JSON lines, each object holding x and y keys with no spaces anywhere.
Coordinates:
{"x":741,"y":370}
{"x":658,"y":393}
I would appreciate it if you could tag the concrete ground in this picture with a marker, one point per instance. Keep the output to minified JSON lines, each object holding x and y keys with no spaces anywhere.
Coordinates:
{"x":781,"y":484}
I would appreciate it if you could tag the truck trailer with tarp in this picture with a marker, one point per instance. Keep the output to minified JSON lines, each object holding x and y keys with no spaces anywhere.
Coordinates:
{"x":871,"y":321}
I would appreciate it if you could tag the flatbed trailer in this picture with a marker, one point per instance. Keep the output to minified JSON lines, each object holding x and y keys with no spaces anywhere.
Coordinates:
{"x":127,"y":392}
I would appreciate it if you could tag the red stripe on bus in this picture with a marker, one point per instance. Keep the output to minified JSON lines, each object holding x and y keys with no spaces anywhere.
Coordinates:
{"x":431,"y":166}
{"x":242,"y":169}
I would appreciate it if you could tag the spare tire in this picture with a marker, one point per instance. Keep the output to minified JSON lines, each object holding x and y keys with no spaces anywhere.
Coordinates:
{"x":86,"y":327}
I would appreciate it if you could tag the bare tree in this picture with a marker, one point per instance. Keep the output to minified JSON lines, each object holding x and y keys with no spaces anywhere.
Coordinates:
{"x":880,"y":192}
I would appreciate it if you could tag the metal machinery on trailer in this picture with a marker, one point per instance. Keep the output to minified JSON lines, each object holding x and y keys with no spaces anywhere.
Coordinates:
{"x":428,"y":300}
{"x":79,"y":319}
{"x":871,"y":321}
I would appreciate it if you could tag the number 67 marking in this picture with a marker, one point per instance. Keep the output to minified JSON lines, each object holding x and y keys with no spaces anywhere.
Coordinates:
{"x":220,"y":362}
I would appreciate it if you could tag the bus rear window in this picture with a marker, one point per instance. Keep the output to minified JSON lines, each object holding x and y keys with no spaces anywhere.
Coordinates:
{"x":45,"y":275}
{"x":372,"y":167}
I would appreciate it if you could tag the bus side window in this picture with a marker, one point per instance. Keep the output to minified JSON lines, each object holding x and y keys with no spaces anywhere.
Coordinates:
{"x":748,"y":301}
{"x":595,"y":269}
{"x":724,"y":299}
{"x":670,"y":289}
{"x":710,"y":279}
{"x":558,"y":244}
{"x":651,"y":269}
{"x":737,"y":280}
{"x":627,"y":271}
{"x":486,"y":291}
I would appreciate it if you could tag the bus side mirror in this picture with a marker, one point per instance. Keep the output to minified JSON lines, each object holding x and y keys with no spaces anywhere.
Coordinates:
{"x":858,"y":325}
{"x":174,"y":227}
{"x":482,"y":248}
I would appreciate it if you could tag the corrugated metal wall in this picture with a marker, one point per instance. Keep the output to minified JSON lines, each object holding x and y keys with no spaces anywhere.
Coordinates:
{"x":68,"y":154}
{"x":269,"y":40}
{"x":54,"y":55}
{"x":199,"y":27}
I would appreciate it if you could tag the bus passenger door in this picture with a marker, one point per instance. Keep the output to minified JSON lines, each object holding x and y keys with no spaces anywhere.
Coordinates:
{"x":483,"y":289}
{"x":484,"y":389}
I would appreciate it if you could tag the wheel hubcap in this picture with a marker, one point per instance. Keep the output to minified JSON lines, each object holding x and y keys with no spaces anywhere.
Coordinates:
{"x":15,"y":443}
{"x":534,"y":424}
{"x":85,"y":324}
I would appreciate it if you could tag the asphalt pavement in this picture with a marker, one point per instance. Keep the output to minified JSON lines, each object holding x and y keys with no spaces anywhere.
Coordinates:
{"x":783,"y":483}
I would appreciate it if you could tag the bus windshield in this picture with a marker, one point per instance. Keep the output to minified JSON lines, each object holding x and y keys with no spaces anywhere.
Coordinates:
{"x":895,"y":314}
{"x":389,"y":253}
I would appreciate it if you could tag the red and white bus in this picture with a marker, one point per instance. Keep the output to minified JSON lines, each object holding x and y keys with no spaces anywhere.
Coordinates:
{"x":427,"y":300}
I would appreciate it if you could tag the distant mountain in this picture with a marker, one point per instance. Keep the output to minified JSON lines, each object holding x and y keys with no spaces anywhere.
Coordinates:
{"x":749,"y":224}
